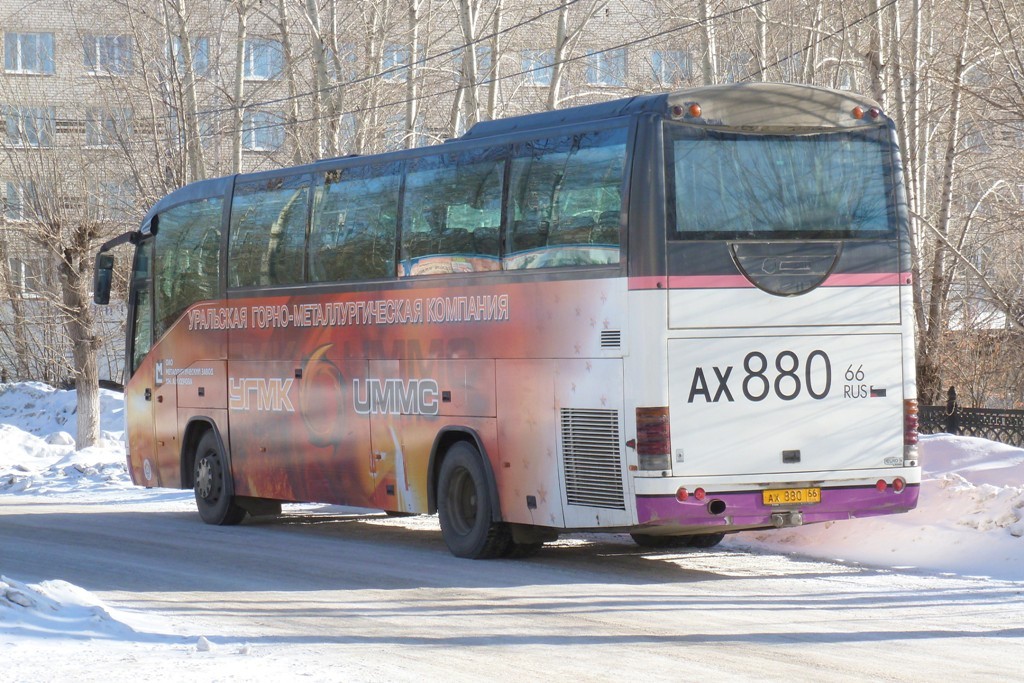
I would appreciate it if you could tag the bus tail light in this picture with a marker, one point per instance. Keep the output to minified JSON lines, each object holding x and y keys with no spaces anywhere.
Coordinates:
{"x":653,"y":439}
{"x":910,"y":422}
{"x":898,"y":485}
{"x":910,"y":432}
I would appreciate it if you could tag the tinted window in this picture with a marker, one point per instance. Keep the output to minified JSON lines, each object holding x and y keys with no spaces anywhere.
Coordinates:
{"x":268,"y":232}
{"x":566,"y":199}
{"x":355,"y":218}
{"x":142,"y":318}
{"x":452,"y":213}
{"x":733,"y":186}
{"x":187,"y":266}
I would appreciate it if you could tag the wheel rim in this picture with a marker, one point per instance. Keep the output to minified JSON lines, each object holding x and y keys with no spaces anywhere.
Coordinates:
{"x":462,"y":500}
{"x":209,"y":478}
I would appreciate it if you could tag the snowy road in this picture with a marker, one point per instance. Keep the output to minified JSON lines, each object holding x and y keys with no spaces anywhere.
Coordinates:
{"x":324,"y":595}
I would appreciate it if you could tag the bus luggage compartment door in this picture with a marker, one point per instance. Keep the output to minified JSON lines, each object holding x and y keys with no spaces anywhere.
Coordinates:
{"x":786,"y":404}
{"x":589,"y":405}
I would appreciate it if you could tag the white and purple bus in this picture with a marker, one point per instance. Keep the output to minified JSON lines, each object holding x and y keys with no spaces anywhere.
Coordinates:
{"x":676,"y":316}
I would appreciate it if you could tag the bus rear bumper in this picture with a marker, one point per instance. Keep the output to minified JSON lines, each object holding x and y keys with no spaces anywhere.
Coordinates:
{"x":747,"y":509}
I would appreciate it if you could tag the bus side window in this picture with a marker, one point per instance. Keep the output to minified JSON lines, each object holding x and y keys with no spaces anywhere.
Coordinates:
{"x":268,"y":232}
{"x":566,"y":201}
{"x":452,"y":213}
{"x":355,"y":216}
{"x":187,"y":261}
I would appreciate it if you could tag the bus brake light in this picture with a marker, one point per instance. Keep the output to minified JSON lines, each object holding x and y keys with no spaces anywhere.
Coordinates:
{"x":910,"y":422}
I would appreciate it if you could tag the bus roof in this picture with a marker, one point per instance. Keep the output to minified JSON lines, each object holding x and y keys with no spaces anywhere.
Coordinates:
{"x":775,"y":106}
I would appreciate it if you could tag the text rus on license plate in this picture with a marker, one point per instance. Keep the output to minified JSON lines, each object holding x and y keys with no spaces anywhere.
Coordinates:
{"x":791,"y":496}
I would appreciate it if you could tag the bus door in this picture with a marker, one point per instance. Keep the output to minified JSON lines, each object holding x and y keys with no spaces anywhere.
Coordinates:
{"x":589,"y":402}
{"x":151,"y":401}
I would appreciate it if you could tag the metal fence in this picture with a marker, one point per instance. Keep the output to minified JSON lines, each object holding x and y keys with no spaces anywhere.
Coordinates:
{"x":1005,"y":426}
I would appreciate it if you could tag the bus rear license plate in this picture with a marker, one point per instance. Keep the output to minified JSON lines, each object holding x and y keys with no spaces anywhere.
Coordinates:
{"x":791,"y":496}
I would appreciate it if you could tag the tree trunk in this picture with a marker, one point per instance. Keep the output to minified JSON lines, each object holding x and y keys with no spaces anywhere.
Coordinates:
{"x":292,"y":123}
{"x":238,"y":111}
{"x":411,"y":94}
{"x":74,"y":279}
{"x":709,"y":58}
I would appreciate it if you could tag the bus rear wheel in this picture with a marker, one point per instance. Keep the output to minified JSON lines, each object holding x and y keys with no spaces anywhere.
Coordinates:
{"x":212,"y":480}
{"x":705,"y":540}
{"x":464,"y":506}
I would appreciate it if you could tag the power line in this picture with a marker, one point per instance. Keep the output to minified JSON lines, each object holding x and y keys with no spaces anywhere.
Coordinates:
{"x":491,"y":81}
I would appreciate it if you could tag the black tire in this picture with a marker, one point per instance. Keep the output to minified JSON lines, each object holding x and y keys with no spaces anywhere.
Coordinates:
{"x":705,"y":540}
{"x":464,"y":506}
{"x":213,"y":487}
{"x":648,"y":541}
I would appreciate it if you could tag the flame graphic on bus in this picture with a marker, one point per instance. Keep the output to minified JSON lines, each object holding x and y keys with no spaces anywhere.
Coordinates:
{"x":321,"y":398}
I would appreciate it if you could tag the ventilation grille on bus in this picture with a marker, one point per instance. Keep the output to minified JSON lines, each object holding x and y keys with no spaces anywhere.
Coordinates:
{"x":611,"y":339}
{"x":593,"y":463}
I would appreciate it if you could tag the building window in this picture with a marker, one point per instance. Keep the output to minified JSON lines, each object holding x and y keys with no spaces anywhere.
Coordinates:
{"x":395,"y":63}
{"x":264,"y":59}
{"x":672,"y":68}
{"x":14,"y":201}
{"x":736,"y":67}
{"x":484,"y":63}
{"x":607,"y":67}
{"x":262,"y":131}
{"x":28,"y":53}
{"x":537,"y":66}
{"x":200,"y":55}
{"x":343,"y":65}
{"x":27,"y":276}
{"x":30,"y":126}
{"x":111,"y":55}
{"x":113,"y":201}
{"x":105,"y":127}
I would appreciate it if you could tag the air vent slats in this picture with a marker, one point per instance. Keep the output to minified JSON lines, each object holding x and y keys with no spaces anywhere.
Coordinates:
{"x":591,"y":458}
{"x":611,"y":339}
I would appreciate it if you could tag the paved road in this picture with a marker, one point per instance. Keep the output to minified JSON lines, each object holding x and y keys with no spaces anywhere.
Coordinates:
{"x":347,"y":596}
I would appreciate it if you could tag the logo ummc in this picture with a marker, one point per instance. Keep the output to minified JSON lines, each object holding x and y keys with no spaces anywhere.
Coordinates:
{"x":260,"y":393}
{"x":395,"y":396}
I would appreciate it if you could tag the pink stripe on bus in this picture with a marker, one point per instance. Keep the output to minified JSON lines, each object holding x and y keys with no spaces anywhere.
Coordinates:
{"x":740,"y":282}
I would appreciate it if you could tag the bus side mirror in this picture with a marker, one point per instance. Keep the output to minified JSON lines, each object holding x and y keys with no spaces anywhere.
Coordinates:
{"x":102,"y":277}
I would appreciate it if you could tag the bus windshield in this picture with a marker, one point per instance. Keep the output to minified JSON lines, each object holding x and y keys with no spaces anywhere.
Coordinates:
{"x":740,"y":186}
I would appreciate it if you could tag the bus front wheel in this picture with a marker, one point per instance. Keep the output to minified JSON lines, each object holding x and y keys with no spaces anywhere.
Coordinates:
{"x":213,"y":484}
{"x":464,"y":506}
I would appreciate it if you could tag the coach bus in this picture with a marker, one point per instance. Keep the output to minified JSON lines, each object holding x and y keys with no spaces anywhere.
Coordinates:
{"x":675,"y":316}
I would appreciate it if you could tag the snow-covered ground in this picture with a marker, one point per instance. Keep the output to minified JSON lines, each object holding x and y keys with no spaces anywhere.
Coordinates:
{"x":970,"y":521}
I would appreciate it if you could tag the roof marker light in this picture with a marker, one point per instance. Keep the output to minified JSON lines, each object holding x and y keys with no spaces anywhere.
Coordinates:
{"x":858,"y":113}
{"x":695,"y":111}
{"x":874,"y":112}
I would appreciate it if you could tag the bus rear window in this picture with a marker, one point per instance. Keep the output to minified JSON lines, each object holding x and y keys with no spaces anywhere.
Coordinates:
{"x":738,"y":186}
